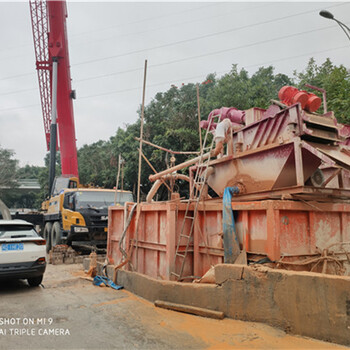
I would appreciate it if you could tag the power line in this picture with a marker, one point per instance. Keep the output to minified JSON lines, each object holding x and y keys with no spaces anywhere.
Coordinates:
{"x":170,"y":26}
{"x":16,"y":108}
{"x":197,"y":38}
{"x":144,"y":20}
{"x":249,"y":45}
{"x":201,"y":76}
{"x":188,"y":40}
{"x":182,"y":59}
{"x":136,"y":33}
{"x":211,"y":53}
{"x":110,"y":74}
{"x":16,"y":76}
{"x":297,"y":56}
{"x":139,"y":32}
{"x":118,"y":26}
{"x":108,"y":28}
{"x":201,"y":56}
{"x":185,"y":79}
{"x":179,"y":60}
{"x":17,"y":91}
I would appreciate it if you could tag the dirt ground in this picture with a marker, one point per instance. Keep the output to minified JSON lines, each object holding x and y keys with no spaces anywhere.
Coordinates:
{"x":70,"y":313}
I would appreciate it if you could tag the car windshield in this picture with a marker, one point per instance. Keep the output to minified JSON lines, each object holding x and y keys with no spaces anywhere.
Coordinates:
{"x":100,"y":199}
{"x":17,"y":231}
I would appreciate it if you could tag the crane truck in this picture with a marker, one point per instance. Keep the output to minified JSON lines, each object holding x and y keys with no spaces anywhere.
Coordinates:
{"x":72,"y":214}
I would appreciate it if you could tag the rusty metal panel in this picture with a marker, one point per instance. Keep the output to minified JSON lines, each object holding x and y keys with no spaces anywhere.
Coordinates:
{"x":257,"y":230}
{"x":115,"y":230}
{"x":295,"y":233}
{"x":327,"y":229}
{"x":274,"y":228}
{"x":208,"y":246}
{"x":149,"y":242}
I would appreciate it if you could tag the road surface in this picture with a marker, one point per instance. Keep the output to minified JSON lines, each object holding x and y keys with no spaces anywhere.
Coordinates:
{"x":70,"y":313}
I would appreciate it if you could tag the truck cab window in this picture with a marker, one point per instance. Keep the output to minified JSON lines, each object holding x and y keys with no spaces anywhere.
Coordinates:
{"x":68,"y":202}
{"x":72,"y":184}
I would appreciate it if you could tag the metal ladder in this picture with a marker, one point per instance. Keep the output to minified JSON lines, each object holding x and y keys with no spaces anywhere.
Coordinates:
{"x":195,"y":197}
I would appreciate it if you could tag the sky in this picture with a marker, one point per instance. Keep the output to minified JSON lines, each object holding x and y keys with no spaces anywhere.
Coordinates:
{"x":182,"y":41}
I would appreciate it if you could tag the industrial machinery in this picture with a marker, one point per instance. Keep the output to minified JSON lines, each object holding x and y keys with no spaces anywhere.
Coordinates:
{"x":72,"y":213}
{"x":284,"y":147}
{"x":288,"y":171}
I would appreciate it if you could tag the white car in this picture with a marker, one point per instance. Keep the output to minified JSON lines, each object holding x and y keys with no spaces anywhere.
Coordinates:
{"x":22,"y":252}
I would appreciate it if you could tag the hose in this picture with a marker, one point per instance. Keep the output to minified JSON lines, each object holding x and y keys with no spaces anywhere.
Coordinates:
{"x":121,"y":249}
{"x":122,"y":238}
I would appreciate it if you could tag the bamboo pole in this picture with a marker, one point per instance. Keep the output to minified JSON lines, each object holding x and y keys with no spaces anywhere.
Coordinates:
{"x":138,"y":212}
{"x":117,"y":182}
{"x":219,"y":315}
{"x":141,"y":132}
{"x":179,"y":166}
{"x":122,"y":170}
{"x":165,"y":149}
{"x":154,"y":170}
{"x":199,"y":120}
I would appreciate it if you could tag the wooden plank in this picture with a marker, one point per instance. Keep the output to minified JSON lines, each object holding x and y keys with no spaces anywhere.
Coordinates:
{"x":190,"y":309}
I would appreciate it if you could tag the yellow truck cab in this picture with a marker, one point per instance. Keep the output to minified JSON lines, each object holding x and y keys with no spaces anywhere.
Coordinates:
{"x":79,"y":216}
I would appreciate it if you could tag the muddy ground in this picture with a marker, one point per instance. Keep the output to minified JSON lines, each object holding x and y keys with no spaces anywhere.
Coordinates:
{"x":68,"y":312}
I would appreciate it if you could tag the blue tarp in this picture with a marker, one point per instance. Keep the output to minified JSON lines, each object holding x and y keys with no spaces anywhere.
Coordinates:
{"x":231,"y":244}
{"x":98,"y":280}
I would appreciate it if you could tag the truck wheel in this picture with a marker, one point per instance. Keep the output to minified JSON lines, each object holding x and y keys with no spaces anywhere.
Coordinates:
{"x":47,"y":235}
{"x":35,"y":281}
{"x":56,"y":234}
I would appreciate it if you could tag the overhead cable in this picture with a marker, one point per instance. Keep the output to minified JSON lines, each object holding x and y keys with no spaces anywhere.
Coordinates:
{"x":195,"y":38}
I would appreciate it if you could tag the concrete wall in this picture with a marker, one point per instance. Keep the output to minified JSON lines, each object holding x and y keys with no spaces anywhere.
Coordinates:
{"x":303,"y":303}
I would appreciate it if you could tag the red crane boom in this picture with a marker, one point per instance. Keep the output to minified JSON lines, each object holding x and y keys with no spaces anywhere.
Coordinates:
{"x":51,"y":44}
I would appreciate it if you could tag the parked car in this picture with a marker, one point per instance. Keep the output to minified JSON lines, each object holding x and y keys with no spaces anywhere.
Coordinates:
{"x":22,"y":252}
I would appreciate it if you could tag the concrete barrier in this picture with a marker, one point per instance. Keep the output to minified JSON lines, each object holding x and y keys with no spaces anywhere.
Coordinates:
{"x":303,"y":303}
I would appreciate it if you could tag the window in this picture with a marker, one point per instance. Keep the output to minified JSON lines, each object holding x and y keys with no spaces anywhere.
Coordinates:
{"x":17,"y":231}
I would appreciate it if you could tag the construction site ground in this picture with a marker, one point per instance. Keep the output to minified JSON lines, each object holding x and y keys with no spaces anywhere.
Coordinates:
{"x":70,"y":312}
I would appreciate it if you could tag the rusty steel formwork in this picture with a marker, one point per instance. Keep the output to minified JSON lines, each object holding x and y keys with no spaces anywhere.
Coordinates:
{"x":292,"y":234}
{"x":292,"y":170}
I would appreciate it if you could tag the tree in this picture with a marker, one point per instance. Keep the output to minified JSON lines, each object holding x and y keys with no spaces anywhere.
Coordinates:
{"x":335,"y":80}
{"x":29,"y":172}
{"x":8,"y":169}
{"x":10,"y":173}
{"x":237,"y":89}
{"x":97,"y":164}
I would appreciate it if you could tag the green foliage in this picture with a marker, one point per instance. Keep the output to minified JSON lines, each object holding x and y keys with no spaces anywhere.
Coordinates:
{"x":97,"y":164}
{"x":237,"y":89}
{"x":43,"y":178}
{"x":8,"y":169}
{"x":29,"y":172}
{"x":31,"y":199}
{"x":10,"y":172}
{"x":15,"y":199}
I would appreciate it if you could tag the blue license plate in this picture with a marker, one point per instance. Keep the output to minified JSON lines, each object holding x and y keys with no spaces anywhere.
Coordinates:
{"x":7,"y":247}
